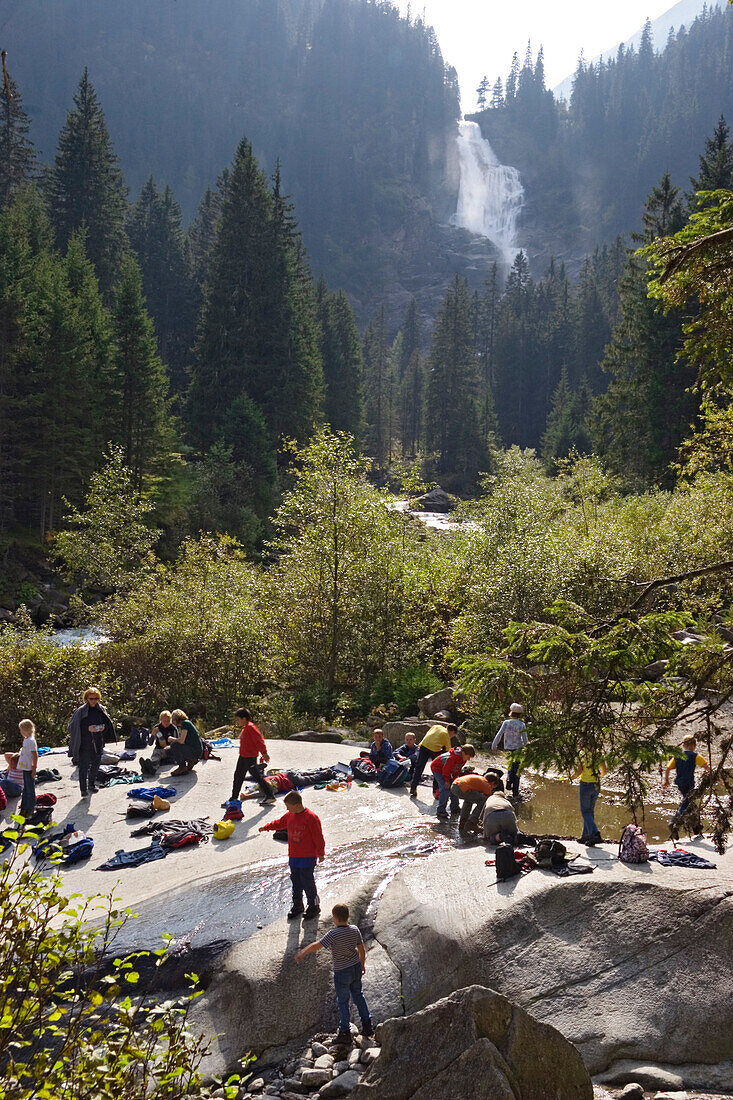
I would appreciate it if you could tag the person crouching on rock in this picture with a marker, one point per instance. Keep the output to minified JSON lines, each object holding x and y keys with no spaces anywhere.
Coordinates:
{"x":407,"y":753}
{"x":349,"y":963}
{"x":89,"y":727}
{"x":186,"y":750}
{"x":306,"y":847}
{"x":380,"y":751}
{"x":251,"y":745}
{"x":498,"y":817}
{"x":445,"y":769}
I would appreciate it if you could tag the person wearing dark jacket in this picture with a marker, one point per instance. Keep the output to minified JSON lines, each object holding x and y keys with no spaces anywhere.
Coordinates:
{"x":381,"y":750}
{"x":89,"y":727}
{"x":407,"y":753}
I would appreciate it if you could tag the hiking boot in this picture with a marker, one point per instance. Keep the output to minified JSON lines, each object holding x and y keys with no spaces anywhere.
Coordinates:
{"x":367,"y":1029}
{"x":93,"y":789}
{"x":181,"y":770}
{"x":442,"y":816}
{"x":295,"y":912}
{"x":269,"y":801}
{"x":342,"y":1039}
{"x":413,"y":794}
{"x":312,"y":912}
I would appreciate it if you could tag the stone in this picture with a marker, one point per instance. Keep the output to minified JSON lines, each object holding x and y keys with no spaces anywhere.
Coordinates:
{"x":257,"y":1085}
{"x":323,"y":1061}
{"x":482,"y":1046}
{"x":341,"y":1067}
{"x":322,"y":737}
{"x":314,"y":1078}
{"x":395,"y":731}
{"x":369,"y":1055}
{"x":317,"y":1049}
{"x":341,"y":1085}
{"x":632,"y":1092}
{"x":436,"y":500}
{"x":671,"y":1096}
{"x":355,"y":1056}
{"x":655,"y":671}
{"x":438,"y":701}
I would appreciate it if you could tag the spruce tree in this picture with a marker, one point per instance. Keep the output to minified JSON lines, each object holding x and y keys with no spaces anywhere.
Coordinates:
{"x":17,"y":154}
{"x":663,"y":214}
{"x":452,"y":428}
{"x":410,"y":380}
{"x":716,"y":163}
{"x":85,"y":186}
{"x":137,"y":377}
{"x":157,"y":238}
{"x":379,"y":389}
{"x":341,"y":353}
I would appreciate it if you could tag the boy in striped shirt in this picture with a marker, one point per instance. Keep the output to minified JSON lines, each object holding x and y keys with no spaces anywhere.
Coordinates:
{"x":349,"y":962}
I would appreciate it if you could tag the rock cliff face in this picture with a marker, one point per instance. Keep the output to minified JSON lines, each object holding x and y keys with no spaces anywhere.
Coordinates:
{"x":630,"y":964}
{"x":479,"y":1045}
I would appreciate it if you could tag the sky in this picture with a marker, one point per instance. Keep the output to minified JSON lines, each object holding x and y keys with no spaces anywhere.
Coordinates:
{"x":479,"y":37}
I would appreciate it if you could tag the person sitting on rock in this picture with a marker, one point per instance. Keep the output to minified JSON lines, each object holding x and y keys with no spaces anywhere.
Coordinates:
{"x":445,"y":769}
{"x":349,"y":963}
{"x":185,"y":750}
{"x":513,"y":733}
{"x":473,"y":790}
{"x":407,"y":753}
{"x":438,"y":739}
{"x":163,"y":734}
{"x":684,"y":763}
{"x":11,"y":780}
{"x":498,"y":817}
{"x":282,"y":782}
{"x":381,"y":750}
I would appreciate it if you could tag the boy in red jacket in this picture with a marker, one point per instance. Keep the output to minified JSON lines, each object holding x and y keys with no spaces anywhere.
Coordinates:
{"x":305,"y":846}
{"x":251,"y":745}
{"x":445,"y":769}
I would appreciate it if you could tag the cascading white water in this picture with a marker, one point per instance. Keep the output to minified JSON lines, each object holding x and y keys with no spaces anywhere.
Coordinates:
{"x":490,"y":194}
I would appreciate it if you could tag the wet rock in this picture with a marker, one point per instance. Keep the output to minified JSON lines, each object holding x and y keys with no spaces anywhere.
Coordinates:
{"x":438,"y":701}
{"x":480,"y":1046}
{"x":314,"y":1078}
{"x":436,"y":500}
{"x":323,"y":737}
{"x":632,"y":1092}
{"x":341,"y":1085}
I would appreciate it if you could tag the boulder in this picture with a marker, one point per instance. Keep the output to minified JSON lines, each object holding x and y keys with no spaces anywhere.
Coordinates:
{"x":395,"y":731}
{"x":633,"y":1091}
{"x":342,"y":1085}
{"x":655,"y":671}
{"x":436,"y":500}
{"x":482,"y":1046}
{"x":437,"y":701}
{"x":323,"y":737}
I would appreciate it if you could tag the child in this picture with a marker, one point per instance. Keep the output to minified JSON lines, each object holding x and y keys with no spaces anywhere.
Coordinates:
{"x":445,"y":769}
{"x":305,"y":846}
{"x":684,"y":764}
{"x":349,"y":963}
{"x":514,"y":734}
{"x":251,"y":745}
{"x":27,"y":764}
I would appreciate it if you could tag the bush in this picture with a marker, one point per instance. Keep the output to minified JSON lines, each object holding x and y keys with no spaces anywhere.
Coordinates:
{"x":44,"y":682}
{"x":62,"y":1035}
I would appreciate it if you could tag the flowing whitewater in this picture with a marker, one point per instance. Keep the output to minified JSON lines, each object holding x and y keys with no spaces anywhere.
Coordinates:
{"x":490,"y":195}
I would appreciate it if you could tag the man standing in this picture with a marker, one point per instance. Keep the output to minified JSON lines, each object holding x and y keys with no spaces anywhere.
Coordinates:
{"x":438,"y":739}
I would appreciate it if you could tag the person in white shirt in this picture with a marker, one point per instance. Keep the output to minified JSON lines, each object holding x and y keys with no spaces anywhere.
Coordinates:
{"x":27,"y":764}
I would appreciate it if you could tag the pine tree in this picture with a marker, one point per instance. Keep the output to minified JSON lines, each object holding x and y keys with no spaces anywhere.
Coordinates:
{"x":497,"y":95}
{"x":452,"y":384}
{"x":481,"y":93}
{"x":663,"y":214}
{"x":138,"y":376}
{"x":156,"y":237}
{"x":201,"y":236}
{"x":716,"y":163}
{"x":567,"y":423}
{"x":340,"y":348}
{"x":17,"y":154}
{"x":85,"y":186}
{"x":410,"y":380}
{"x":379,"y":392}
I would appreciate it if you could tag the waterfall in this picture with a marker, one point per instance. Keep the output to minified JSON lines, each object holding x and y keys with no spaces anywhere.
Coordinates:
{"x":490,"y":194}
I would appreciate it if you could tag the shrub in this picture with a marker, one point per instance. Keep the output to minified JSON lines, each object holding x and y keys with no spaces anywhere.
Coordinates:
{"x":79,"y":1025}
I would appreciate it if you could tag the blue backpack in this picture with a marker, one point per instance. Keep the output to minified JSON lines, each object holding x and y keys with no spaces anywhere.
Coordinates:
{"x":393,"y":774}
{"x":81,"y":850}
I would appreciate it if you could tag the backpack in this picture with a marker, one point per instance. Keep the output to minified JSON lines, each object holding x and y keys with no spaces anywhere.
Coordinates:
{"x":138,"y":739}
{"x":363,"y":769}
{"x":506,"y":865}
{"x":208,"y":751}
{"x":140,"y":809}
{"x":393,"y":774}
{"x":42,"y":816}
{"x":632,"y":846}
{"x":3,"y":800}
{"x":550,"y":853}
{"x":233,"y":808}
{"x":81,"y":850}
{"x":147,"y":767}
{"x":223,"y":829}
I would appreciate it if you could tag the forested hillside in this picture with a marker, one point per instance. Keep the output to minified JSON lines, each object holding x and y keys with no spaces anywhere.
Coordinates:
{"x":354,"y":102}
{"x":588,"y":166}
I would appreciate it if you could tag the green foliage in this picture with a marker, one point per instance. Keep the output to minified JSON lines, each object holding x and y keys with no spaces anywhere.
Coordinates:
{"x":17,"y":155}
{"x":43,"y":682}
{"x":406,"y":686}
{"x":108,"y":542}
{"x":193,"y":634}
{"x":63,"y":1035}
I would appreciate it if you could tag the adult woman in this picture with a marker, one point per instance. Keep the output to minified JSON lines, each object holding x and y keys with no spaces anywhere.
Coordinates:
{"x":89,"y":727}
{"x":187,"y":749}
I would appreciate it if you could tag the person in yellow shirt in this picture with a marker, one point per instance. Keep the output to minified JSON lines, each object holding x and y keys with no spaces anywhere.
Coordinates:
{"x":590,"y":775}
{"x":438,"y":739}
